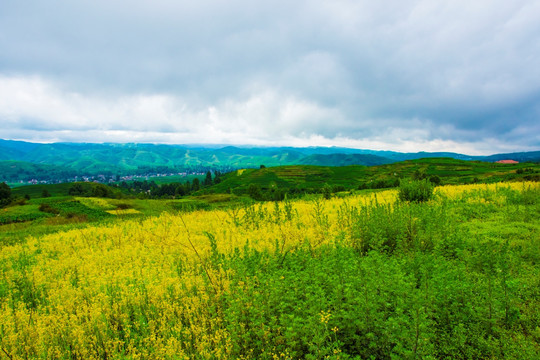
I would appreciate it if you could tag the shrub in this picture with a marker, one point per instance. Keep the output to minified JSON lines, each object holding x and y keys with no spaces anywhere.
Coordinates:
{"x":123,"y":206}
{"x":254,"y":191}
{"x":415,"y":191}
{"x":44,"y":207}
{"x":19,"y":201}
{"x":5,"y":194}
{"x":435,"y":180}
{"x":327,"y":191}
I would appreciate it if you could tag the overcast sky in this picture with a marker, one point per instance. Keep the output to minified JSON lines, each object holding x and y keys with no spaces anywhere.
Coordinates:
{"x":406,"y":75}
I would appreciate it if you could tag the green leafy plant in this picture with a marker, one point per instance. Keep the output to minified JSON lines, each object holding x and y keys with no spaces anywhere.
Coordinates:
{"x":415,"y":191}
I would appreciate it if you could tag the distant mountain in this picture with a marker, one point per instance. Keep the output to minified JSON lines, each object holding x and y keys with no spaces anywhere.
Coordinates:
{"x":424,"y":155}
{"x":13,"y":171}
{"x":111,"y":158}
{"x":7,"y":153}
{"x":20,"y":147}
{"x":344,"y":160}
{"x":531,"y":156}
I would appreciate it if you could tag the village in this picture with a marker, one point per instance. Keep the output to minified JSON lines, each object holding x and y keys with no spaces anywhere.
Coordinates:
{"x":108,"y":179}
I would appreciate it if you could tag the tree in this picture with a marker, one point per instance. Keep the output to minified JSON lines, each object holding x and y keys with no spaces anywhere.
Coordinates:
{"x":195,"y":185}
{"x":101,"y":190}
{"x":76,"y":189}
{"x":254,"y":191}
{"x":208,"y":179}
{"x":418,"y":175}
{"x":327,"y":191}
{"x":45,"y":193}
{"x":435,"y":180}
{"x":180,"y":190}
{"x":5,"y":194}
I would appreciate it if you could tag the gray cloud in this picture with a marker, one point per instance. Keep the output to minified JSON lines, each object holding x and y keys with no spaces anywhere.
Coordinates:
{"x":405,"y":75}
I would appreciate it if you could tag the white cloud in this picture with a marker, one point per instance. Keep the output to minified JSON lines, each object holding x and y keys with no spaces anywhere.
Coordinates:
{"x":35,"y":105}
{"x":266,"y":118}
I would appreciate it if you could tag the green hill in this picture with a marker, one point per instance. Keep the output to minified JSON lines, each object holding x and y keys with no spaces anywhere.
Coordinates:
{"x":312,"y":178}
{"x":13,"y":171}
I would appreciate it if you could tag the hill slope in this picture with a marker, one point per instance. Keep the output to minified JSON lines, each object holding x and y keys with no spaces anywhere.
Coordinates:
{"x":311,"y":178}
{"x":344,"y":160}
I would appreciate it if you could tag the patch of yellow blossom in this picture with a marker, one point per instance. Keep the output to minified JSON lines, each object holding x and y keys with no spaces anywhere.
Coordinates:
{"x":120,"y":212}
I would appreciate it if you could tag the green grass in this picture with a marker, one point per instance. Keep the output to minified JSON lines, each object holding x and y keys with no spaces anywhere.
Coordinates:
{"x":54,"y":190}
{"x":36,"y":191}
{"x":17,"y":214}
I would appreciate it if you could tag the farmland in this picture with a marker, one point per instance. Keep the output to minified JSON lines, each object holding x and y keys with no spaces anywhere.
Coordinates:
{"x":358,"y":276}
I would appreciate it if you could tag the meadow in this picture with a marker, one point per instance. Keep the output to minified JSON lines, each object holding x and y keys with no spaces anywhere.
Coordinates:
{"x":363,"y":276}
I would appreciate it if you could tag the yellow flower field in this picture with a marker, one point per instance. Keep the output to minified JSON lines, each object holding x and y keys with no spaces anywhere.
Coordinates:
{"x":142,"y":289}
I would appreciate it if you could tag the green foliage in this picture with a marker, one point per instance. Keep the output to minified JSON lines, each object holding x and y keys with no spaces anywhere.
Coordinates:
{"x":435,"y":180}
{"x":195,"y":185}
{"x":91,"y":189}
{"x":20,"y":214}
{"x":208,"y":179}
{"x":123,"y":206}
{"x":327,"y":191}
{"x":415,"y":284}
{"x":415,"y":191}
{"x":5,"y":194}
{"x":190,"y":205}
{"x":45,"y":207}
{"x":254,"y":192}
{"x":75,"y":207}
{"x":36,"y":191}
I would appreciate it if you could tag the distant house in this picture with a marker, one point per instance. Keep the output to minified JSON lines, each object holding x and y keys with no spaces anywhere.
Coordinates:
{"x":507,"y":162}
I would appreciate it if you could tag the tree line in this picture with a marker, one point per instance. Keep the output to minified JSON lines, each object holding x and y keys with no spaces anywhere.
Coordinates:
{"x":150,"y":189}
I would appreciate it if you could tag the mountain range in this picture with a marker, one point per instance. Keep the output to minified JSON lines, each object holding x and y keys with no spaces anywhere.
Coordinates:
{"x":21,"y":160}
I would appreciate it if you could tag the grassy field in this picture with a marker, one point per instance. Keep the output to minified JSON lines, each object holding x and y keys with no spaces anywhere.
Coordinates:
{"x":363,"y":276}
{"x":63,"y":212}
{"x":54,"y":190}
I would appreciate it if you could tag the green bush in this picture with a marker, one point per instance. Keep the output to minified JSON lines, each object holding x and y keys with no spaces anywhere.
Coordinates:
{"x":123,"y":206}
{"x":415,"y":191}
{"x":5,"y":194}
{"x":44,"y":207}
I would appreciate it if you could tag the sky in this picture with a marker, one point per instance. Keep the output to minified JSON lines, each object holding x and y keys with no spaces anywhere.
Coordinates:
{"x":402,"y":75}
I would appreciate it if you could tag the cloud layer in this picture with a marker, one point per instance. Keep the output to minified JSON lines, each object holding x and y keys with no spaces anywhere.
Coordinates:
{"x":402,"y":75}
